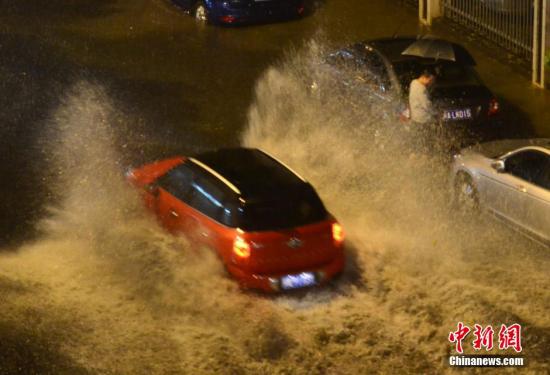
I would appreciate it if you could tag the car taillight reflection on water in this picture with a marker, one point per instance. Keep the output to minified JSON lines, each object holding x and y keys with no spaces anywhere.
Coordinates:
{"x":494,"y":107}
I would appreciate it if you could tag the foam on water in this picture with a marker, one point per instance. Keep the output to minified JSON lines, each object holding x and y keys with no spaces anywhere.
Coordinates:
{"x":105,"y":290}
{"x":424,"y":266}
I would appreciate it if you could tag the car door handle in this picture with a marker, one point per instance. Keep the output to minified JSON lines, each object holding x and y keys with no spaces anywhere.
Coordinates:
{"x":522,"y":188}
{"x":173,"y":213}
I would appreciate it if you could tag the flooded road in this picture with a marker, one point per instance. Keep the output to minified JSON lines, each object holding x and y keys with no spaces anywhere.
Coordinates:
{"x":88,"y":282}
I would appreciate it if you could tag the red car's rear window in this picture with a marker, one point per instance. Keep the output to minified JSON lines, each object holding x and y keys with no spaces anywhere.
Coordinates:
{"x":292,"y":210}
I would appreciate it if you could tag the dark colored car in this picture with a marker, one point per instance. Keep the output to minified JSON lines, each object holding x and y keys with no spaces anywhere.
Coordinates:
{"x":234,"y":12}
{"x":459,"y":95}
{"x":267,"y":224}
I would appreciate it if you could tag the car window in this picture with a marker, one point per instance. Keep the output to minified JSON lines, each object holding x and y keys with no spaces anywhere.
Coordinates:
{"x":294,"y":209}
{"x":178,"y":181}
{"x":374,"y":63}
{"x":545,"y":178}
{"x":448,"y":74}
{"x":208,"y":198}
{"x":531,"y":166}
{"x":344,"y":58}
{"x":230,"y":213}
{"x":452,"y":74}
{"x":201,"y":192}
{"x":367,"y":67}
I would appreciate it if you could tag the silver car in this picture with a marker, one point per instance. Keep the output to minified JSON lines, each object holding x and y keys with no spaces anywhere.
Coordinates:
{"x":509,"y":178}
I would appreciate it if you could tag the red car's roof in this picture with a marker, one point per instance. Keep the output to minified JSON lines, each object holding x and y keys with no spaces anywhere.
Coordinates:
{"x":252,"y":172}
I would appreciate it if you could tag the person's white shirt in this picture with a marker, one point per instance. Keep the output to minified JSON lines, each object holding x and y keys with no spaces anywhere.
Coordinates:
{"x":419,"y":103}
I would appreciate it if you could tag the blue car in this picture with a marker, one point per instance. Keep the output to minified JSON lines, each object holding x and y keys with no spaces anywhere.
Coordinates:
{"x":238,"y":12}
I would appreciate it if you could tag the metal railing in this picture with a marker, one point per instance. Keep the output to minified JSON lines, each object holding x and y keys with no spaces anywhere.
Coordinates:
{"x":508,"y":23}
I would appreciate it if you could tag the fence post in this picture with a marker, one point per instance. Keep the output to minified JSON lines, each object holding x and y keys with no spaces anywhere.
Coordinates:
{"x":539,"y":42}
{"x":546,"y":44}
{"x":428,"y":10}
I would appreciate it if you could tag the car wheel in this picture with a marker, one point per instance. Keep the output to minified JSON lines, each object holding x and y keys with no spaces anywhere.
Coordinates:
{"x":466,"y":196}
{"x":200,"y":12}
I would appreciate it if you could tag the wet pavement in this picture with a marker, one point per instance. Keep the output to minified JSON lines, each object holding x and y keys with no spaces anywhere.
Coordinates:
{"x":91,"y":87}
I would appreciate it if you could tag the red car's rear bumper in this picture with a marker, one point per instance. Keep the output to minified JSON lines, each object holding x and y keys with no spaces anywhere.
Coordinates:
{"x":271,"y":283}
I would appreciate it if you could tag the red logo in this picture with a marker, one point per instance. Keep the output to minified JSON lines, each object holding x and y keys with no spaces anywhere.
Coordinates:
{"x":508,"y":337}
{"x":457,"y":336}
{"x":484,"y":337}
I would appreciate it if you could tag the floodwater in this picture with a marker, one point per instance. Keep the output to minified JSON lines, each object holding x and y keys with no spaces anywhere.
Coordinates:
{"x":90,"y":284}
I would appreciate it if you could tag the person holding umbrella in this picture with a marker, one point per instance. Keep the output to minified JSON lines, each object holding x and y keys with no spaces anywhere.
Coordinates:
{"x":436,"y":50}
{"x":421,"y":107}
{"x":429,"y":135}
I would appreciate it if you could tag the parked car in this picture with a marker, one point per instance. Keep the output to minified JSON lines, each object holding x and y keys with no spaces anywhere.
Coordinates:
{"x":268,"y":225}
{"x":384,"y":72}
{"x":509,"y":178}
{"x":234,"y":12}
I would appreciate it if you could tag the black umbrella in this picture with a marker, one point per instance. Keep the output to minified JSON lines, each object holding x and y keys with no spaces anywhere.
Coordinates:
{"x":439,"y":49}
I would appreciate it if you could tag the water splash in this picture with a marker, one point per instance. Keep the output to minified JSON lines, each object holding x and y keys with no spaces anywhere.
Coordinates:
{"x":105,"y":290}
{"x":424,"y":265}
{"x":114,"y":278}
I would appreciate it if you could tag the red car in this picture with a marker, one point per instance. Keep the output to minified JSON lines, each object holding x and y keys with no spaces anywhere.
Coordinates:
{"x":267,"y":224}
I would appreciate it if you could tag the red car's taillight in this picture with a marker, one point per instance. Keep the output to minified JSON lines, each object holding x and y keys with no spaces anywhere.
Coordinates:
{"x":494,"y":107}
{"x":301,"y":9}
{"x":241,"y":248}
{"x":228,"y":19}
{"x":337,"y":233}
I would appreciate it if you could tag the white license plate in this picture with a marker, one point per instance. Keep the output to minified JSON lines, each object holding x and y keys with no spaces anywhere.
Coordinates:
{"x":458,"y":114}
{"x":300,"y":280}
